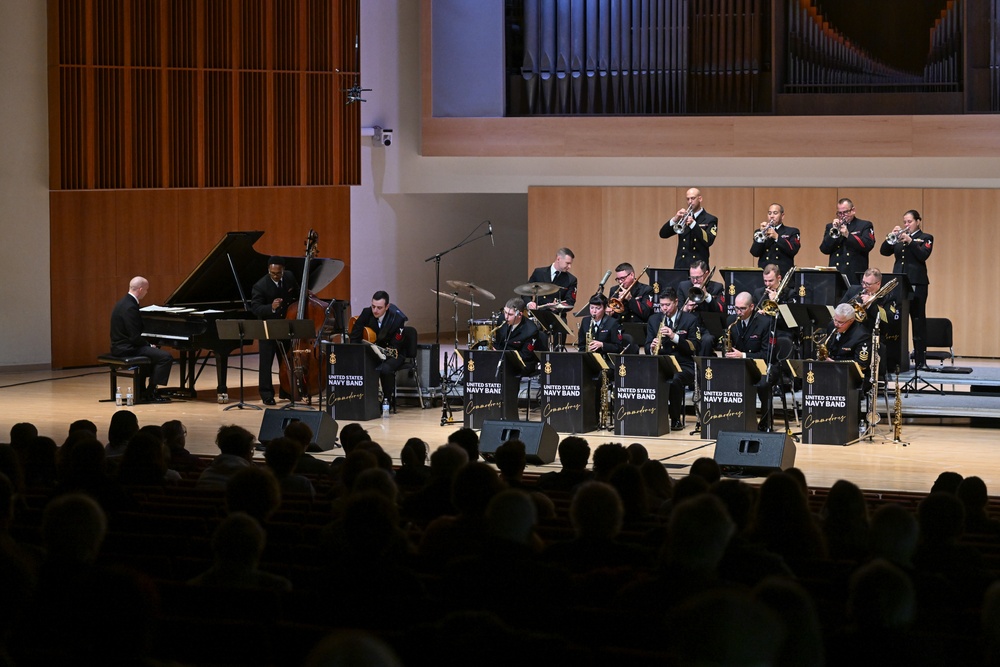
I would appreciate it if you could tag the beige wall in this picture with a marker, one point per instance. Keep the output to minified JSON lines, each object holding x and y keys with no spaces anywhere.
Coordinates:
{"x":605,"y":226}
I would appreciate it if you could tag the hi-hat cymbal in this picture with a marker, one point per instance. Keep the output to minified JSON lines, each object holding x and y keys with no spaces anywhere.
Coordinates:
{"x":536,"y":289}
{"x":455,"y":297}
{"x":469,"y":287}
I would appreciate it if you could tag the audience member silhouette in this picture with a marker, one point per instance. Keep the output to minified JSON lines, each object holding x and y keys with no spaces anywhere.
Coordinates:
{"x":255,"y":492}
{"x":144,"y":462}
{"x":845,"y":522}
{"x":803,"y":641}
{"x":974,"y":496}
{"x":745,"y":562}
{"x":413,"y":470}
{"x":574,"y":453}
{"x":124,"y":424}
{"x":784,"y":525}
{"x":637,"y":454}
{"x":282,"y":456}
{"x":38,"y":463}
{"x":237,"y":544}
{"x":175,"y":436}
{"x":300,"y":432}
{"x":467,"y":439}
{"x":235,"y":445}
{"x":659,"y":486}
{"x":947,"y":482}
{"x":607,"y":457}
{"x":86,"y":472}
{"x":434,"y":499}
{"x":707,"y":468}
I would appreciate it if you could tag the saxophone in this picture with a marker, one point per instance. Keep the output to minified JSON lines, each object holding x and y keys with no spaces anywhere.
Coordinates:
{"x":873,"y":416}
{"x":727,"y":339}
{"x":604,"y":418}
{"x":897,"y":422}
{"x":822,"y":351}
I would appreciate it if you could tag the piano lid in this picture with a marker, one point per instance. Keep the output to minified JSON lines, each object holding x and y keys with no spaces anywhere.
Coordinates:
{"x":212,"y":282}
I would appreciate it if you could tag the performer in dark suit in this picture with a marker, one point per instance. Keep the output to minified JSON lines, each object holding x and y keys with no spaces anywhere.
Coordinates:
{"x":772,"y":277}
{"x":603,"y":330}
{"x":270,"y":299}
{"x":519,"y":334}
{"x":780,"y":242}
{"x":636,"y":297}
{"x":849,"y":341}
{"x":849,"y":245}
{"x":674,"y":333}
{"x":127,"y":340}
{"x":885,"y":309}
{"x":911,"y":250}
{"x":749,"y":334}
{"x":714,"y":302}
{"x":386,"y":321}
{"x":557,"y":274}
{"x":698,"y":234}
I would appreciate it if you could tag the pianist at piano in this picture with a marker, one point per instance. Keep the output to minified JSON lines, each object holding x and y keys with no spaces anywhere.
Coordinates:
{"x":127,"y":339}
{"x":271,"y":297}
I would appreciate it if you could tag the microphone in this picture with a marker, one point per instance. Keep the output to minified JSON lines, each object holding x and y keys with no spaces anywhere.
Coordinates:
{"x":600,"y":288}
{"x":489,"y":230}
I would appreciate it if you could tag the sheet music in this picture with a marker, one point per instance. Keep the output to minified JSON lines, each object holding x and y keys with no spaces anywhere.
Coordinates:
{"x":166,"y":309}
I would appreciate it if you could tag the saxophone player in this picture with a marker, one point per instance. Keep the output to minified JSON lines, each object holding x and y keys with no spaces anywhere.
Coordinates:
{"x":848,"y":340}
{"x":749,"y":334}
{"x":672,"y":331}
{"x":599,"y":331}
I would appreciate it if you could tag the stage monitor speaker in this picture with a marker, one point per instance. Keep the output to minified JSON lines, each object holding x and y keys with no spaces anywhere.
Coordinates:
{"x":429,"y":363}
{"x":753,"y":454}
{"x":540,"y":440}
{"x":323,"y":426}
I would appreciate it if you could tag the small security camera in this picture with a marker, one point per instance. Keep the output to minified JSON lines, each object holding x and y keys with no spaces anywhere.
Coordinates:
{"x":382,"y":136}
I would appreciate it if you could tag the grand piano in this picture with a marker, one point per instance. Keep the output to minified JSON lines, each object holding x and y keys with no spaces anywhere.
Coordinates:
{"x":220,"y":287}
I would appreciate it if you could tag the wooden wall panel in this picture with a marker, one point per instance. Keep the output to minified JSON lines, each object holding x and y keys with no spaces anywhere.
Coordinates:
{"x":101,"y":239}
{"x":608,"y":225}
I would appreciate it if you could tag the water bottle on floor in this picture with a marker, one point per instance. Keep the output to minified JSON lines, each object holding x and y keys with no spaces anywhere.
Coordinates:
{"x":385,"y":409}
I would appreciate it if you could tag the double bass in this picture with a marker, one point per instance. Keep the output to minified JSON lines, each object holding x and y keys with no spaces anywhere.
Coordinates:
{"x":303,"y":379}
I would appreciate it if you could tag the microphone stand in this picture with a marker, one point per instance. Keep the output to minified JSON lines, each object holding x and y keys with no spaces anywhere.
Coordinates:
{"x":437,"y":271}
{"x":600,"y":290}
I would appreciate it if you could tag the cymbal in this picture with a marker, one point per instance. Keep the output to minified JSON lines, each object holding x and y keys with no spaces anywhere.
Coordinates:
{"x":555,"y":306}
{"x":455,"y":297}
{"x":469,"y":287}
{"x":536,"y":289}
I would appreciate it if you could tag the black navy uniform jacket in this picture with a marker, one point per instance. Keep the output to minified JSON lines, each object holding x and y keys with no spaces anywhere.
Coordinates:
{"x":639,"y":306}
{"x":686,"y":327}
{"x":390,"y":334}
{"x":564,"y":279}
{"x":694,"y":243}
{"x":265,"y":292}
{"x":911,"y":259}
{"x":754,"y":338}
{"x":780,"y":251}
{"x":606,"y":331}
{"x":849,"y":254}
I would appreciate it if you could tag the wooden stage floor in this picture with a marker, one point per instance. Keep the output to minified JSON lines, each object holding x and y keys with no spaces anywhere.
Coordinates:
{"x":53,"y":399}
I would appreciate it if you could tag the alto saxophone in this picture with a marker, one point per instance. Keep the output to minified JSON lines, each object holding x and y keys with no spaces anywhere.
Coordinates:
{"x":822,"y":351}
{"x":604,"y":418}
{"x":727,"y":339}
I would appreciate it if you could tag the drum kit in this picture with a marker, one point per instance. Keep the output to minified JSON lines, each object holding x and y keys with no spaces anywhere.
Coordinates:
{"x":479,"y":329}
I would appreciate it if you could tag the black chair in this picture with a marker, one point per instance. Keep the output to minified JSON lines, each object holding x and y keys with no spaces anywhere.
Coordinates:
{"x":785,"y":346}
{"x":939,"y":334}
{"x":409,"y":371}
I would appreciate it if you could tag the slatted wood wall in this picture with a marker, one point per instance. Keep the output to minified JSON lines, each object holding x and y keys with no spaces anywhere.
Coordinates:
{"x":175,"y":121}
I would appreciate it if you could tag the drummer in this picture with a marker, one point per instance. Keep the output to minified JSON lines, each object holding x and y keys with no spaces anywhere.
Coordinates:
{"x":558,"y":274}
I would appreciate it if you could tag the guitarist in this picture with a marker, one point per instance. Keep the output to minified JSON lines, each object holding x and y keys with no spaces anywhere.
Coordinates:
{"x":382,"y":324}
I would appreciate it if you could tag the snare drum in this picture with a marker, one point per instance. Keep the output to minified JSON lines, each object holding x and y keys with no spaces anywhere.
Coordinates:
{"x":479,"y":333}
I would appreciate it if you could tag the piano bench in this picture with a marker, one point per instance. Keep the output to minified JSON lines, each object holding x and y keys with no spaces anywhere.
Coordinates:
{"x":136,"y":368}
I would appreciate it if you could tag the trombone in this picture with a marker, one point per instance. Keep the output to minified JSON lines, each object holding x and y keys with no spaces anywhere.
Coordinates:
{"x":697,"y":294}
{"x":861,"y":310}
{"x":770,"y":306}
{"x":617,"y":304}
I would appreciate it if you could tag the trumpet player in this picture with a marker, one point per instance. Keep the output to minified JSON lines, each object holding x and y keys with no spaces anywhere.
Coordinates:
{"x":672,"y":331}
{"x":848,"y":240}
{"x":911,"y":249}
{"x":749,"y":334}
{"x":599,"y":331}
{"x":695,"y":229}
{"x":636,"y":297}
{"x":775,"y":242}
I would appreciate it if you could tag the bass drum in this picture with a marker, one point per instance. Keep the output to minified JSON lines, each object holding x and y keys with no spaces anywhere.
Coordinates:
{"x":479,"y":334}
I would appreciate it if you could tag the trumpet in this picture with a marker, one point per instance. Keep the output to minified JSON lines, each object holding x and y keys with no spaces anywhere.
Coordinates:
{"x":681,"y":224}
{"x":617,"y":304}
{"x":892,"y":238}
{"x":760,"y":235}
{"x":770,"y":306}
{"x":834,"y":232}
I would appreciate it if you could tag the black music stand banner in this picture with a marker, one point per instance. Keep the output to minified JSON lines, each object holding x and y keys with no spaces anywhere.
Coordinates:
{"x":570,"y":391}
{"x":352,"y":381}
{"x":660,"y":278}
{"x":728,"y":394}
{"x":641,"y":394}
{"x":830,"y":399}
{"x":740,"y":279}
{"x":817,"y":284}
{"x":491,"y":387}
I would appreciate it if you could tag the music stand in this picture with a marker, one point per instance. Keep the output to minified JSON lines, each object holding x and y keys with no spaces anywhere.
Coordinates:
{"x":555,"y":326}
{"x":291,"y":331}
{"x":240,"y":330}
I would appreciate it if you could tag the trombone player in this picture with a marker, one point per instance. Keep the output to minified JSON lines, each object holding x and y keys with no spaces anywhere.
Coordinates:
{"x":848,"y":240}
{"x":775,"y":242}
{"x":867,"y":308}
{"x":636,"y":298}
{"x":695,"y":229}
{"x":700,"y":294}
